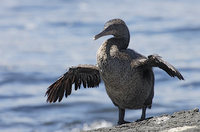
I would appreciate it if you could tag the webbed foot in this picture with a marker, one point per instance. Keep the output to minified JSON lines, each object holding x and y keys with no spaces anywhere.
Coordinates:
{"x":141,"y":119}
{"x":122,"y":122}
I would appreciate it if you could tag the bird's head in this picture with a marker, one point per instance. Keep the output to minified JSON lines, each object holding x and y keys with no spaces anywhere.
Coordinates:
{"x":115,"y":27}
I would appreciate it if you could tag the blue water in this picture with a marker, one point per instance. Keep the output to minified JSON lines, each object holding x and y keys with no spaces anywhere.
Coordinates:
{"x":40,"y":39}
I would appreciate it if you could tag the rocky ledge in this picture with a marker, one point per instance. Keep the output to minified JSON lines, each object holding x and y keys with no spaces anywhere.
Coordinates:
{"x":184,"y":121}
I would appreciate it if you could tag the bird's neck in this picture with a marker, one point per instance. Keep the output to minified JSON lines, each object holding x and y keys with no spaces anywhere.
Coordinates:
{"x":121,"y":42}
{"x":122,"y":39}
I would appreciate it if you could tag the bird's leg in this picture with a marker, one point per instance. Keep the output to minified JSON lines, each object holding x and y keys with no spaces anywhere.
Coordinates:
{"x":143,"y":113}
{"x":121,"y":117}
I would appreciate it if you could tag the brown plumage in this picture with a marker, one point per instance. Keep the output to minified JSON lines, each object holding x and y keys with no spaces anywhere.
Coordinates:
{"x":88,"y":75}
{"x":127,"y":75}
{"x":156,"y":61}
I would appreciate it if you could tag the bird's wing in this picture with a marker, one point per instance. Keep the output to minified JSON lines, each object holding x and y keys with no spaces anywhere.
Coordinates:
{"x":87,"y":75}
{"x":156,"y":61}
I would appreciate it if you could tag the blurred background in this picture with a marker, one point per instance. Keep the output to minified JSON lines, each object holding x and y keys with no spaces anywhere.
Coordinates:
{"x":40,"y":39}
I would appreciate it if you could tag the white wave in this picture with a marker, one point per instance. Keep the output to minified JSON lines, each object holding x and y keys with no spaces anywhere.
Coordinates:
{"x":96,"y":125}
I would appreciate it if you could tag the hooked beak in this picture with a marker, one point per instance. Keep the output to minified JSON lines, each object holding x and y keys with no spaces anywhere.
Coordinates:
{"x":99,"y":35}
{"x":103,"y":33}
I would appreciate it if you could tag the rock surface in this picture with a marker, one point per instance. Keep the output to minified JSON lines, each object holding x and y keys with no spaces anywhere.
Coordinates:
{"x":184,"y":121}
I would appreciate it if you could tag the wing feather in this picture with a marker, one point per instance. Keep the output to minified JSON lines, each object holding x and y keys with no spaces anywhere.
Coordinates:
{"x":156,"y":61}
{"x":87,"y":75}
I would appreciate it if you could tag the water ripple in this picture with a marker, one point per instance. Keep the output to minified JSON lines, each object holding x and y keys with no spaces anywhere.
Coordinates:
{"x":193,"y":84}
{"x":24,"y":78}
{"x":74,"y":24}
{"x":15,"y":96}
{"x":169,"y":30}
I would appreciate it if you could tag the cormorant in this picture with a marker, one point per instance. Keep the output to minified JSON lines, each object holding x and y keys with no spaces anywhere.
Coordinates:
{"x":127,"y":75}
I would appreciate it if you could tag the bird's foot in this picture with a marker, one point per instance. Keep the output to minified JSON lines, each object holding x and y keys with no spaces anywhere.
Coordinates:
{"x":143,"y":119}
{"x":123,"y":122}
{"x":138,"y":120}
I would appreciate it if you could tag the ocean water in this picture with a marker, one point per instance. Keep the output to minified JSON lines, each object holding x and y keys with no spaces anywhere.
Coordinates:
{"x":40,"y":39}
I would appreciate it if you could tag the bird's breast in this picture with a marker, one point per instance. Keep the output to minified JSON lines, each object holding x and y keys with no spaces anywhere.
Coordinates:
{"x":125,"y":85}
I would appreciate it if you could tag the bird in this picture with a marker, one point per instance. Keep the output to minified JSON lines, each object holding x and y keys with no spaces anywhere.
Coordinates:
{"x":127,"y":75}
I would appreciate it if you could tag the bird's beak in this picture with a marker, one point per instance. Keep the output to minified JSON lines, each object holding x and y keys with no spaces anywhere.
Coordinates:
{"x":103,"y":33}
{"x":99,"y":35}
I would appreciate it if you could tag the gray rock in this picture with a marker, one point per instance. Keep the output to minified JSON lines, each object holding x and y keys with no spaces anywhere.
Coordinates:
{"x":183,"y":121}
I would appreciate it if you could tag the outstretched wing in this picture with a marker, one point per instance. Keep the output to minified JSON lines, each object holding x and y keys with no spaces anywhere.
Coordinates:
{"x":87,"y":75}
{"x":156,"y":61}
